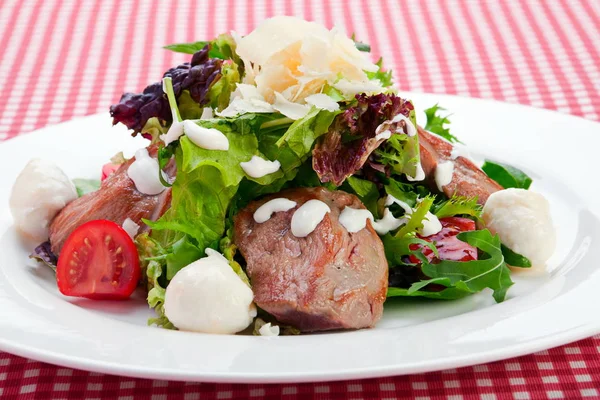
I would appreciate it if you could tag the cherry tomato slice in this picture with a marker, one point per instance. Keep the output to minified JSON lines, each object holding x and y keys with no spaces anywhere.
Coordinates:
{"x":98,"y":261}
{"x":448,"y":245}
{"x":108,"y":170}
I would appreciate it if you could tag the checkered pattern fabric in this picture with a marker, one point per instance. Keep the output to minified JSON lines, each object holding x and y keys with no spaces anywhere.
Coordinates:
{"x":63,"y":59}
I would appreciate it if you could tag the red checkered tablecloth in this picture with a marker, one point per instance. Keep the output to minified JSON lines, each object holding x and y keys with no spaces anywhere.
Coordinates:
{"x":62,"y":59}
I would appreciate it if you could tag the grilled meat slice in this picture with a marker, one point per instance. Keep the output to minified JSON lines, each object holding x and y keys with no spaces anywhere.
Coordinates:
{"x":330,"y":279}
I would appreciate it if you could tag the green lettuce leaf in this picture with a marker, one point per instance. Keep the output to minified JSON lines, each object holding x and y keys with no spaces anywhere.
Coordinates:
{"x":401,"y":152}
{"x":506,"y":175}
{"x":402,"y":192}
{"x":85,"y":186}
{"x":220,"y":93}
{"x":156,"y":296}
{"x":415,"y":221}
{"x":301,"y":135}
{"x":229,"y":250}
{"x":365,"y":190}
{"x":206,"y":182}
{"x":182,"y":253}
{"x":459,"y":206}
{"x":385,"y":77}
{"x":437,"y":123}
{"x":210,"y":182}
{"x":153,"y":262}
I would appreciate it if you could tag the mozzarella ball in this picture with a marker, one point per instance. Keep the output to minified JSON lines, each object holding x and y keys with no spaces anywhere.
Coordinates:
{"x":522,"y":220}
{"x":41,"y":190}
{"x":208,"y":296}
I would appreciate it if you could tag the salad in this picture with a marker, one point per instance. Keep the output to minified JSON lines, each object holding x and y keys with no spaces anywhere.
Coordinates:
{"x":285,"y":188}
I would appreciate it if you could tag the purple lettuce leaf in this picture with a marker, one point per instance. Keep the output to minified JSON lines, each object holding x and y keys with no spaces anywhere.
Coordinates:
{"x":43,"y":253}
{"x":135,"y":109}
{"x":351,"y":139}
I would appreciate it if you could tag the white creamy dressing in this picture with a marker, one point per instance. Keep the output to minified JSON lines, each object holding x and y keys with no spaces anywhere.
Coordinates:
{"x":419,"y":175}
{"x":392,"y":200}
{"x":388,"y":223}
{"x":459,"y":150}
{"x":443,"y":174}
{"x":207,"y":113}
{"x":269,"y":330}
{"x":258,"y":167}
{"x":206,"y":138}
{"x":308,"y":216}
{"x":176,"y":129}
{"x":354,"y":219}
{"x":264,"y":212}
{"x":144,"y":173}
{"x":383,"y":130}
{"x":130,"y":227}
{"x":410,"y":128}
{"x":174,"y":133}
{"x":383,"y":135}
{"x":431,"y":225}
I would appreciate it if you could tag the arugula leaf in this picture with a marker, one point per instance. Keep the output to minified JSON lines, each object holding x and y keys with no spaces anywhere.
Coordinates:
{"x":85,"y":186}
{"x":506,"y":175}
{"x":222,"y":47}
{"x":187,"y":48}
{"x":450,"y":293}
{"x":397,"y":248}
{"x":459,"y":206}
{"x":490,"y":271}
{"x":360,"y":45}
{"x":364,"y":47}
{"x":385,"y":77}
{"x":515,"y":259}
{"x":436,"y":123}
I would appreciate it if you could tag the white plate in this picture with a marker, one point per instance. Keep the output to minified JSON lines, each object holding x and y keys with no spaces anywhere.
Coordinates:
{"x":543,"y":310}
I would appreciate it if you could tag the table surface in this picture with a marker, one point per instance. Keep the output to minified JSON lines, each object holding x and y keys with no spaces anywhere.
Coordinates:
{"x":64,"y":59}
